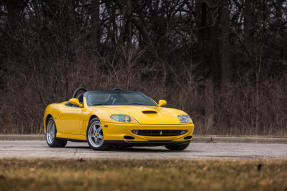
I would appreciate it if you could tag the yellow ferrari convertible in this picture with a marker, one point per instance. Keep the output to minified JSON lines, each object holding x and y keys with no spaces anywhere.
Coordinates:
{"x":116,"y":118}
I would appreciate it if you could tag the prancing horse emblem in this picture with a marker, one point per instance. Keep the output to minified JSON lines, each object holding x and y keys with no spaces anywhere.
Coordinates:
{"x":160,"y":133}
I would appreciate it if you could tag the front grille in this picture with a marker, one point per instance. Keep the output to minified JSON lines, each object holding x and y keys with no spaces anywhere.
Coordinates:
{"x":159,"y":132}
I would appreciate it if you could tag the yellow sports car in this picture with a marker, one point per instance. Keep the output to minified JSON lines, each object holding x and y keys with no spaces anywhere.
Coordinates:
{"x":116,"y":117}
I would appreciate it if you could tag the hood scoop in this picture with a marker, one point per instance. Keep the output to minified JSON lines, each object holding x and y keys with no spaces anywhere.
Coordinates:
{"x":149,"y":112}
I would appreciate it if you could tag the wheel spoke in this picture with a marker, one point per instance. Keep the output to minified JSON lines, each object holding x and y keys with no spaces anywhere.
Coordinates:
{"x":100,"y":137}
{"x":95,"y":129}
{"x":51,"y":132}
{"x":95,"y":136}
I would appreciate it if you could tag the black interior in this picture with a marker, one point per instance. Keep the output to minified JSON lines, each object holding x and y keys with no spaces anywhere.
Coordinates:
{"x":79,"y":94}
{"x":77,"y":91}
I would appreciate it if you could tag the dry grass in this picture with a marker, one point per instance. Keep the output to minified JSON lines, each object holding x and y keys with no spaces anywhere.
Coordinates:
{"x":143,"y":175}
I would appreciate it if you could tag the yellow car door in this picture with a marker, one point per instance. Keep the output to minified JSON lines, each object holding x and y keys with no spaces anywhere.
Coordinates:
{"x":70,"y":120}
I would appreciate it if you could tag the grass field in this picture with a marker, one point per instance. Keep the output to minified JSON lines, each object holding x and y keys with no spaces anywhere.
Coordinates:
{"x":53,"y":175}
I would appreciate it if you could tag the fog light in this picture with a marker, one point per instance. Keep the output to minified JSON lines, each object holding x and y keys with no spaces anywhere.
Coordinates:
{"x":183,"y":132}
{"x":135,"y":131}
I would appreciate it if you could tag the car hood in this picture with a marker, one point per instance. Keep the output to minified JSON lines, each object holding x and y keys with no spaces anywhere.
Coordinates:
{"x":146,"y":114}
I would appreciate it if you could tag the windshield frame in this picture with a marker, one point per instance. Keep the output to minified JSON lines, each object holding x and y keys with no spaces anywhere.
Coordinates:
{"x":153,"y":103}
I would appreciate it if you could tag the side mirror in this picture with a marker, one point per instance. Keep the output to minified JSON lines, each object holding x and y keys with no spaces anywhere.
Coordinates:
{"x":161,"y":103}
{"x":75,"y":101}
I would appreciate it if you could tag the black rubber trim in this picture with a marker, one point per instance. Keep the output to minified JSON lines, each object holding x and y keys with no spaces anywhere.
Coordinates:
{"x":145,"y":143}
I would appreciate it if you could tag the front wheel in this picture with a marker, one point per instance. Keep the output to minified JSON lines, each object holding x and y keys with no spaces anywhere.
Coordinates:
{"x":177,"y":147}
{"x":51,"y":133}
{"x":95,"y":135}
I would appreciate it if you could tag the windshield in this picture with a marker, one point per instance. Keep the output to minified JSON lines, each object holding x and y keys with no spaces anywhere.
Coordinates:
{"x":95,"y":98}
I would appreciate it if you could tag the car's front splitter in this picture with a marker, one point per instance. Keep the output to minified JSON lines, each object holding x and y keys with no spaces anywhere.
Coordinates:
{"x":144,"y":143}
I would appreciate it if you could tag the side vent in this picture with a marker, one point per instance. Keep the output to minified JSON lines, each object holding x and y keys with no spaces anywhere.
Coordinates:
{"x":149,"y":112}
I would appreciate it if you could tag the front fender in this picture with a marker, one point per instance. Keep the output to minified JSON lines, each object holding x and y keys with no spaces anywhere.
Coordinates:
{"x":51,"y":110}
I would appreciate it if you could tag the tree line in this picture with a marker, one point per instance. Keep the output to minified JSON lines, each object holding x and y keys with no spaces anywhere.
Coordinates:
{"x":224,"y":61}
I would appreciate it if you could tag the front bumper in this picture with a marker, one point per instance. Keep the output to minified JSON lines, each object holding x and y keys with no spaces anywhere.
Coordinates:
{"x":123,"y":132}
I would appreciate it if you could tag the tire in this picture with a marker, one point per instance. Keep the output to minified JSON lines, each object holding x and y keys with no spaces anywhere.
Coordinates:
{"x":51,"y":133}
{"x":95,"y":135}
{"x":177,"y":147}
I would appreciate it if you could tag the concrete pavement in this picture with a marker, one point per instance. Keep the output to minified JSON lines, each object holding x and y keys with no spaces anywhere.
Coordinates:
{"x":26,"y":149}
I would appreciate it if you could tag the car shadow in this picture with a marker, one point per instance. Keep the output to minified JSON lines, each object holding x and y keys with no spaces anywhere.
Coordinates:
{"x":140,"y":149}
{"x":132,"y":149}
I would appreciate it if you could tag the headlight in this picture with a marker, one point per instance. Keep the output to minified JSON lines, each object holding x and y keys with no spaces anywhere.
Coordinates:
{"x":184,"y":119}
{"x":123,"y":118}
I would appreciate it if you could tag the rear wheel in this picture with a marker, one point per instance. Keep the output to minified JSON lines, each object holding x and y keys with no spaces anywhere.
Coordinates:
{"x":95,"y":135}
{"x":176,"y":146}
{"x":51,"y":133}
